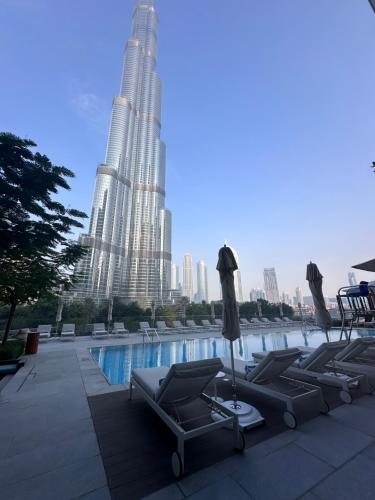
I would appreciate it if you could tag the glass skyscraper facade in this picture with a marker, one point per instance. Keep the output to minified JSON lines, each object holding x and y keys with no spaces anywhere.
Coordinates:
{"x":129,"y":237}
{"x":270,"y":285}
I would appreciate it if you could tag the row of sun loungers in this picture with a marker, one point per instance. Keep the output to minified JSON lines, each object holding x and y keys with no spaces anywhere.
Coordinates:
{"x":99,"y":330}
{"x":275,"y":376}
{"x":118,"y":329}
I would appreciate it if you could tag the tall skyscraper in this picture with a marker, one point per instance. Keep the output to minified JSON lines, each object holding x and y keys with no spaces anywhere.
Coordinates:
{"x":187,"y":284}
{"x":285,"y":299}
{"x":299,"y":296}
{"x":129,"y":237}
{"x":256,"y":294}
{"x":175,"y":276}
{"x":352,"y":279}
{"x":270,"y":285}
{"x":202,"y":284}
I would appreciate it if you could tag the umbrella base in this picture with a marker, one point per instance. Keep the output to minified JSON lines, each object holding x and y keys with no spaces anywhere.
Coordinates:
{"x":248,"y":416}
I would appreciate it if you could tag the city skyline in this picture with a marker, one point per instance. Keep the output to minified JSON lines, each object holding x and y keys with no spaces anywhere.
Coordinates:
{"x":295,"y":127}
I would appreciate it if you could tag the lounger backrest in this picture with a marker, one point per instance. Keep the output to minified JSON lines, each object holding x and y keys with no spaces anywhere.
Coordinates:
{"x":277,"y":320}
{"x":118,"y":326}
{"x":161,"y":324}
{"x":68,"y":327}
{"x":144,"y":325}
{"x":355,"y":348}
{"x":218,"y":322}
{"x":205,"y":322}
{"x":273,"y":365}
{"x":322,"y":355}
{"x":186,"y":381}
{"x":98,"y":326}
{"x":191,"y":322}
{"x":177,"y":324}
{"x":44,"y":328}
{"x":255,"y":320}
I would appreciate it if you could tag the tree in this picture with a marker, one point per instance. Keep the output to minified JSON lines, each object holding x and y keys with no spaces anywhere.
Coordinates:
{"x":36,"y":256}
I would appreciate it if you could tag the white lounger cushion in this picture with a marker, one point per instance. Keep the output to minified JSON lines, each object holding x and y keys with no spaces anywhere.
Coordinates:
{"x":149,"y":378}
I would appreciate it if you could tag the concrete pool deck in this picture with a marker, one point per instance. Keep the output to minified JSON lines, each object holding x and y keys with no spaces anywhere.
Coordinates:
{"x":49,"y":449}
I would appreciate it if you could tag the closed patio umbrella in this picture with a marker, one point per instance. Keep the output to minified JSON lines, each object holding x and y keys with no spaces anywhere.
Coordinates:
{"x":226,"y":265}
{"x":315,"y":279}
{"x":366,"y":266}
{"x":212,"y":310}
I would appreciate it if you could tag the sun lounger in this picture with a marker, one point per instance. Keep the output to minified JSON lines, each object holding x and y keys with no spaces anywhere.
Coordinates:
{"x":245,"y":323}
{"x":218,"y":322}
{"x":68,"y":331}
{"x":268,"y":379}
{"x":288,"y":320}
{"x":99,"y":330}
{"x":192,"y":324}
{"x":44,"y":331}
{"x":169,"y":390}
{"x":145,"y":329}
{"x":318,"y":366}
{"x":256,"y":322}
{"x":359,"y":357}
{"x":209,"y":325}
{"x":119,"y":330}
{"x":163,"y":328}
{"x":178,"y":326}
{"x":268,"y":322}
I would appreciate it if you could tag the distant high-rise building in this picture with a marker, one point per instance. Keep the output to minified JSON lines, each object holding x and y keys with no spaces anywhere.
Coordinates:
{"x":270,"y":285}
{"x":299,"y":296}
{"x":238,"y":285}
{"x":187,"y":283}
{"x":175,"y":276}
{"x":256,"y":294}
{"x":129,"y":238}
{"x":352,"y":279}
{"x":285,"y":299}
{"x":202,"y":284}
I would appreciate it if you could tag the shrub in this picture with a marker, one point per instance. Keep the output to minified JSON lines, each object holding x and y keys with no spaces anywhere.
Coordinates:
{"x":13,"y":349}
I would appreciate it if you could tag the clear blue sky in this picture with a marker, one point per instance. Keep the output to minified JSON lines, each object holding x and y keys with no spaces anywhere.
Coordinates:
{"x":268,"y":117}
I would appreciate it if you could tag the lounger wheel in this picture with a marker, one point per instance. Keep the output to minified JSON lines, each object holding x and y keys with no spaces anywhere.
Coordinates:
{"x":325,"y":408}
{"x":346,"y":397}
{"x":177,"y":466}
{"x":290,"y":420}
{"x":241,"y":442}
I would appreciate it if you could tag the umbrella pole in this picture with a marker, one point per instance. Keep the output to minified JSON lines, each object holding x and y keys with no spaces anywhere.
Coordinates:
{"x":235,"y":406}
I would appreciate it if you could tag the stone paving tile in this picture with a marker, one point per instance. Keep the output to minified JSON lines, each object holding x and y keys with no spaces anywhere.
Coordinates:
{"x":355,"y":416}
{"x":257,"y":452}
{"x":366,"y":400}
{"x":309,"y":496}
{"x":369,"y":451}
{"x":355,"y":480}
{"x":194,"y":482}
{"x":65,"y":483}
{"x":171,"y":492}
{"x":99,"y":494}
{"x":223,"y":489}
{"x":47,"y":457}
{"x":285,"y":474}
{"x":23,"y":442}
{"x":331,"y":441}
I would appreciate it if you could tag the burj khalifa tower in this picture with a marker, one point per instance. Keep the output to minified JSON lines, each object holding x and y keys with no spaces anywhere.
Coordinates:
{"x":129,"y":237}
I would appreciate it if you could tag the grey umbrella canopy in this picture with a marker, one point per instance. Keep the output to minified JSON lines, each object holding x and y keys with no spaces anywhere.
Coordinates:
{"x":366,"y":266}
{"x":226,"y":266}
{"x":315,"y":279}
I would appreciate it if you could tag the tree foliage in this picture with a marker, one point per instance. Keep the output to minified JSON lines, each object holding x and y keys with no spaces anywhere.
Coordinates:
{"x":36,"y":256}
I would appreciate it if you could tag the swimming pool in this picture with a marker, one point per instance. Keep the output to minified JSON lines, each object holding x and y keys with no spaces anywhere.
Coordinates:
{"x":117,"y":362}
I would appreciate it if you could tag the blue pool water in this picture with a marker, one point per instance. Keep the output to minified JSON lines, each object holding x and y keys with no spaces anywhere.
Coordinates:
{"x":117,"y":362}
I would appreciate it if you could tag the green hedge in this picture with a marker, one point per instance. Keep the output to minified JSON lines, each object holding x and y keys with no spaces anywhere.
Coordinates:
{"x":13,"y":349}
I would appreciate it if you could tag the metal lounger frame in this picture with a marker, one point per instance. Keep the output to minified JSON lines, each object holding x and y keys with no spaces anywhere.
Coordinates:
{"x":291,"y":402}
{"x":228,"y":419}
